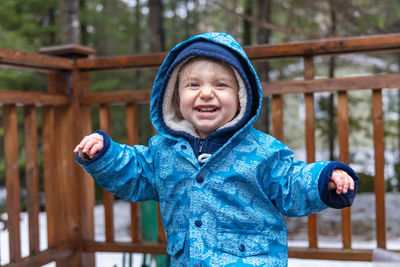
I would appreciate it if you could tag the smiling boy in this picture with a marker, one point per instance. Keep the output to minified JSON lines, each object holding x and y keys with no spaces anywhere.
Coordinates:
{"x":222,"y":185}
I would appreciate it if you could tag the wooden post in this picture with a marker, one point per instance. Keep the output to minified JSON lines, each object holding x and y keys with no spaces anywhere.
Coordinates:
{"x":108,"y":197}
{"x":379,"y":179}
{"x":32,"y":176}
{"x":69,"y":192}
{"x":310,"y":142}
{"x":277,"y":116}
{"x":10,"y":123}
{"x":81,"y":84}
{"x":49,"y":172}
{"x":132,"y":127}
{"x":162,"y":238}
{"x":343,"y":126}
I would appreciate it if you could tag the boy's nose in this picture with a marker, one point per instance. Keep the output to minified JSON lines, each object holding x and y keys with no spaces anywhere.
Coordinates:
{"x":206,"y":92}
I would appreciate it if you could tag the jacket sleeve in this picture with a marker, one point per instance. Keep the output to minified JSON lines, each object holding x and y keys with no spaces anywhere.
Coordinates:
{"x":330,"y":197}
{"x":126,"y":171}
{"x":299,"y":189}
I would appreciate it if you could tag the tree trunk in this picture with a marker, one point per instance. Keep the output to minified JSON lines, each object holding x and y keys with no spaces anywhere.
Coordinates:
{"x":137,"y":46}
{"x":84,"y":33}
{"x":157,"y":44}
{"x":52,"y":21}
{"x":397,"y":164}
{"x":157,"y":38}
{"x":331,"y":109}
{"x":70,"y":24}
{"x":188,"y":20}
{"x":247,"y":24}
{"x":263,"y":36}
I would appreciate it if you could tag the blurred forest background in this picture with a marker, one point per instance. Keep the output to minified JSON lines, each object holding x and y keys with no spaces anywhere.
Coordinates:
{"x":121,"y":27}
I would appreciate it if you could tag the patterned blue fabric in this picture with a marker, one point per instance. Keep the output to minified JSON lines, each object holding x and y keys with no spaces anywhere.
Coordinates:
{"x":228,"y":211}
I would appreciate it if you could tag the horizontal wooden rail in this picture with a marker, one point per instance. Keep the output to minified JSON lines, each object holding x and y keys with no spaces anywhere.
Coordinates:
{"x":35,"y":61}
{"x":333,"y":46}
{"x":142,"y":247}
{"x":331,"y":85}
{"x":133,"y":61}
{"x":122,"y":96}
{"x":43,"y":257}
{"x":322,"y":47}
{"x":32,"y":98}
{"x":269,"y":88}
{"x":331,"y":254}
{"x":375,"y":43}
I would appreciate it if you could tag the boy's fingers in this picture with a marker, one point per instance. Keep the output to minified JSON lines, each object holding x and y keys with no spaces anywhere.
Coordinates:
{"x":342,"y":180}
{"x":339,"y":182}
{"x":78,"y":147}
{"x":346,"y":186}
{"x":95,"y":149}
{"x":346,"y":182}
{"x":81,"y":144}
{"x":351,"y":184}
{"x":98,"y":146}
{"x":88,"y":145}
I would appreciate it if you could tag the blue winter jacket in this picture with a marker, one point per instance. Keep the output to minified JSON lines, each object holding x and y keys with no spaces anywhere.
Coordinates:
{"x":229,"y":210}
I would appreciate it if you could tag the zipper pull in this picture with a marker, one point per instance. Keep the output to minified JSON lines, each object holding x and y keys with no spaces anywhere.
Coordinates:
{"x":201,"y":143}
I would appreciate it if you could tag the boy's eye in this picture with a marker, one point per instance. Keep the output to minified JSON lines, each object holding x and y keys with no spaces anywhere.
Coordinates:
{"x":194,"y":84}
{"x":221,"y":85}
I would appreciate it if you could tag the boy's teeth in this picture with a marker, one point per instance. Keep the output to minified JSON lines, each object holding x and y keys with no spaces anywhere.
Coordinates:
{"x":206,"y":109}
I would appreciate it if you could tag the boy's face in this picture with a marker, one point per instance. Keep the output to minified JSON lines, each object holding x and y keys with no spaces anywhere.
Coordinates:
{"x":208,"y":94}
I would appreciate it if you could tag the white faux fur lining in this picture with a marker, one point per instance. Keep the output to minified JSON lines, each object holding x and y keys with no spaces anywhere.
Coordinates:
{"x":174,"y":122}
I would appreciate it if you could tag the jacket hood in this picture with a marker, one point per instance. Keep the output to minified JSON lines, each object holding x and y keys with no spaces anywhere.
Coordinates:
{"x":219,"y":46}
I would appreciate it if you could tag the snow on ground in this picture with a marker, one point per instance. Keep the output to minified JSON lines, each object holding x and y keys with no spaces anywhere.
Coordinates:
{"x":362,"y":222}
{"x":122,"y":211}
{"x":363,"y":217}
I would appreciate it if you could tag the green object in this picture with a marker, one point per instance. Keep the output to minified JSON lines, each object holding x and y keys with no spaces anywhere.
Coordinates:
{"x":150,"y":231}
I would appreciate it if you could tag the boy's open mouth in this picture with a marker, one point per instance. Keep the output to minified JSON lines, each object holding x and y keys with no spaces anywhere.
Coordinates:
{"x":206,"y":109}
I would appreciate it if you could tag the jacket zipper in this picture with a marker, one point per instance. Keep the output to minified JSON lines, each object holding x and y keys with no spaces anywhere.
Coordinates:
{"x":201,"y":143}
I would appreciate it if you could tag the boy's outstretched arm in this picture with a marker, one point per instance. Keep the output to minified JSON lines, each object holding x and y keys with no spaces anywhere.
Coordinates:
{"x":124,"y":170}
{"x":341,"y":181}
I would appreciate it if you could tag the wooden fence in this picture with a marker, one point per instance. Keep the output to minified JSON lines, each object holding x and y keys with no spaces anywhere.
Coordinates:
{"x":66,"y":117}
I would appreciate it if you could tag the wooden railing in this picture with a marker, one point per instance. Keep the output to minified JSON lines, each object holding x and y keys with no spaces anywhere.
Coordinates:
{"x":66,"y":117}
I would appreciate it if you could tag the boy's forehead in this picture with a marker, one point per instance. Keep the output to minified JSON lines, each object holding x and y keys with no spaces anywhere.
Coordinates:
{"x":203,"y":60}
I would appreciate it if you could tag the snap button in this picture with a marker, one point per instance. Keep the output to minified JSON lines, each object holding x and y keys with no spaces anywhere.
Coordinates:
{"x":242,"y":247}
{"x":197,"y":264}
{"x":198,"y":223}
{"x":199,"y":179}
{"x":183,"y":147}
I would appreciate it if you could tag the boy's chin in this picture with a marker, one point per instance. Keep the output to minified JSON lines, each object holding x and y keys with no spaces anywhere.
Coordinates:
{"x":203,"y":133}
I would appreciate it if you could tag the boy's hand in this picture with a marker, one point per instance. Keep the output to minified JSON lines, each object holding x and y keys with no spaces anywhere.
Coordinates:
{"x":90,"y":145}
{"x":340,"y":181}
